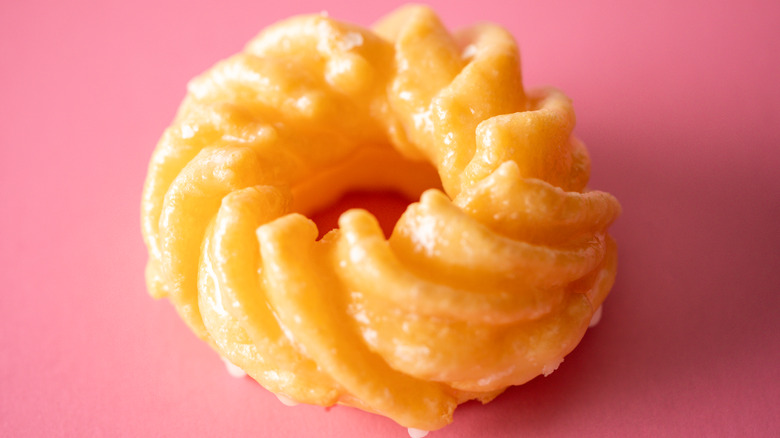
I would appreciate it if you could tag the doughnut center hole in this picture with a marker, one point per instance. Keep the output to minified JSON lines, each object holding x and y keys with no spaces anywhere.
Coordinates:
{"x":376,"y":178}
{"x":386,"y":205}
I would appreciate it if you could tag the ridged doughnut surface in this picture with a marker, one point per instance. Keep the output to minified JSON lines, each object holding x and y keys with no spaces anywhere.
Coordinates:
{"x":487,"y":281}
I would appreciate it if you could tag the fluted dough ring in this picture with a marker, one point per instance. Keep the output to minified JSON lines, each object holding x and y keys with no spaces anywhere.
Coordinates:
{"x":487,"y":281}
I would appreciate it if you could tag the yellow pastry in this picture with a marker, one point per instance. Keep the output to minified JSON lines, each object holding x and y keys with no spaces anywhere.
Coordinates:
{"x":487,"y":281}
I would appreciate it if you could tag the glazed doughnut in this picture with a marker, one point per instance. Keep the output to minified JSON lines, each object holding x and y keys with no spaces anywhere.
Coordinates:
{"x":487,"y":281}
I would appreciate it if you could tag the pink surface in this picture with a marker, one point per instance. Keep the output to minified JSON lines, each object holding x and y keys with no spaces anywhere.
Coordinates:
{"x":679,"y":105}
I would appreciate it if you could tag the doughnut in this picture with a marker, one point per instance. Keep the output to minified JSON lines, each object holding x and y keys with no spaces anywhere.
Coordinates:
{"x":487,"y":280}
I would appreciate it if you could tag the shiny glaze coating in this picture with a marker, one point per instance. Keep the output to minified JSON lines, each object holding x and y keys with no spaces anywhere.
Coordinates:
{"x":487,"y":281}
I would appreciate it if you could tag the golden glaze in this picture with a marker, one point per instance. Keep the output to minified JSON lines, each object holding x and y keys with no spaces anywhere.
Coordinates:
{"x":484,"y":284}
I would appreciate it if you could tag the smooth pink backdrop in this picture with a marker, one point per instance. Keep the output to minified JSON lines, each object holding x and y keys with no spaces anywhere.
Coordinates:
{"x":677,"y":101}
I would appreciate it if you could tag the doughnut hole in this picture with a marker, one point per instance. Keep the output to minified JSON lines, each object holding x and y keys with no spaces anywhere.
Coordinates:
{"x":387,"y":206}
{"x":377,"y":179}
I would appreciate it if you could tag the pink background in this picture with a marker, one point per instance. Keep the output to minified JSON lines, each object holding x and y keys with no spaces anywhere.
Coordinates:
{"x":677,"y":101}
